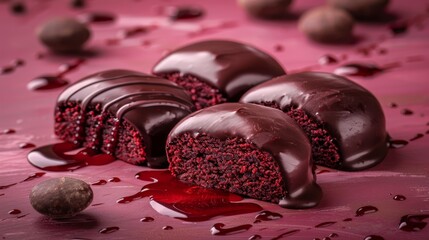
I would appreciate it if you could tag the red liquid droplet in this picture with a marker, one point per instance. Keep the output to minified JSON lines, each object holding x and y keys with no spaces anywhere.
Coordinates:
{"x":333,"y":235}
{"x":327,"y":60}
{"x":348,"y":220}
{"x":365,"y":210}
{"x":219,"y":230}
{"x":267,"y":216}
{"x":255,"y":237}
{"x":132,"y":32}
{"x":320,"y":171}
{"x":278,"y":48}
{"x":399,"y":27}
{"x":55,"y":157}
{"x":109,"y":230}
{"x":8,"y":131}
{"x":114,"y":179}
{"x":14,"y":211}
{"x":26,"y":145}
{"x":46,"y":82}
{"x":147,"y":219}
{"x":185,"y":12}
{"x":288,"y":233}
{"x":68,"y":67}
{"x":99,"y":182}
{"x":419,"y":135}
{"x":34,"y":176}
{"x":98,"y":17}
{"x":373,"y":237}
{"x":395,"y":144}
{"x":413,"y":223}
{"x":358,"y":69}
{"x":7,"y":69}
{"x":97,"y":204}
{"x":7,"y":186}
{"x":324,"y":224}
{"x":393,"y":105}
{"x":186,"y":202}
{"x":18,"y":62}
{"x":407,"y":112}
{"x":167,"y":228}
{"x":326,"y":238}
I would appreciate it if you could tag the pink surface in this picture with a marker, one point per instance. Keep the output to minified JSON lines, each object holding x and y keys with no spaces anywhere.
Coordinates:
{"x":30,"y":113}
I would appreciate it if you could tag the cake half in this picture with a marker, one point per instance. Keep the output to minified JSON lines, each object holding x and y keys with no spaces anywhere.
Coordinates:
{"x":245,"y":149}
{"x":124,"y":113}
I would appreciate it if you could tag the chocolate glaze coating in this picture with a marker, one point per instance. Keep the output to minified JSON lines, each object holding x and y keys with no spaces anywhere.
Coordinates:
{"x":229,"y":66}
{"x":151,"y":104}
{"x":348,"y":111}
{"x":270,"y":131}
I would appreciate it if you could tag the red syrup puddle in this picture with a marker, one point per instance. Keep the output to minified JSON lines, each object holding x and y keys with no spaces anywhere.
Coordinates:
{"x":180,"y":200}
{"x":288,"y":233}
{"x":327,"y":60}
{"x":114,"y":179}
{"x":108,"y":230}
{"x":219,"y":230}
{"x":147,"y":219}
{"x":418,"y":135}
{"x":365,"y":210}
{"x":333,"y":235}
{"x":167,"y":228}
{"x":185,"y":12}
{"x":97,"y":17}
{"x":373,"y":237}
{"x":399,"y":198}
{"x":8,"y":131}
{"x":55,"y":157}
{"x":68,"y":67}
{"x":395,"y":144}
{"x":324,"y":224}
{"x":407,"y":112}
{"x":26,"y":145}
{"x":99,"y":182}
{"x":413,"y":223}
{"x":29,"y":178}
{"x":267,"y":216}
{"x":6,"y":69}
{"x":132,"y":32}
{"x":255,"y":237}
{"x":14,"y":211}
{"x":363,"y":69}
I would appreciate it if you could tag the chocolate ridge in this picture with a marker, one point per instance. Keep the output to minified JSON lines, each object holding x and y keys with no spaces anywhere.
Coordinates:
{"x":351,"y":114}
{"x":270,"y":131}
{"x":231,"y":67}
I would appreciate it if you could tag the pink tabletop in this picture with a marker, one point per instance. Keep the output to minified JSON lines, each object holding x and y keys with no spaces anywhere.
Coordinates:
{"x":402,"y":87}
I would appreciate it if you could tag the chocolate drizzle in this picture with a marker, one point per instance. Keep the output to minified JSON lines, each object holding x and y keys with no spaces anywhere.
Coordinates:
{"x":150,"y":104}
{"x":270,"y":131}
{"x":349,"y":112}
{"x":231,"y":67}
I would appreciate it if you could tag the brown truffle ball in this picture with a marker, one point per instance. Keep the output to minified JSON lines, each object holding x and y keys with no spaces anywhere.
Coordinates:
{"x":266,"y":8}
{"x":64,"y":35}
{"x":361,"y":9}
{"x":327,"y":24}
{"x":61,"y":197}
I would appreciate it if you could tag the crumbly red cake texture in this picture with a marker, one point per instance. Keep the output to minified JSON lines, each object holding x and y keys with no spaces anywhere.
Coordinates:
{"x":231,"y":164}
{"x":203,"y":95}
{"x":101,"y":132}
{"x":323,"y":146}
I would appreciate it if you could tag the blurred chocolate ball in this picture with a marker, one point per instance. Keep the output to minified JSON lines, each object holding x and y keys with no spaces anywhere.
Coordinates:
{"x":327,"y":24}
{"x":64,"y":35}
{"x":266,"y":8}
{"x":61,"y":197}
{"x":361,"y":9}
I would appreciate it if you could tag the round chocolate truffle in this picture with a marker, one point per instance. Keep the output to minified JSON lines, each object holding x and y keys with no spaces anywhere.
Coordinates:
{"x":61,"y":197}
{"x":266,"y":8}
{"x":246,"y":149}
{"x":123,"y":113}
{"x":361,"y":9}
{"x":64,"y":35}
{"x":344,"y":121}
{"x":217,"y":71}
{"x":327,"y":24}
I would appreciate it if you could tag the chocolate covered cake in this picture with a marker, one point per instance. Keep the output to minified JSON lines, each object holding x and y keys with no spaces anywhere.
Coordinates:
{"x":246,"y":149}
{"x":217,"y":71}
{"x":344,"y":121}
{"x":123,"y":113}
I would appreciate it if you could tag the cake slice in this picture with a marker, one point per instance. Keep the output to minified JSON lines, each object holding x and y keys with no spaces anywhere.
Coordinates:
{"x":245,"y":149}
{"x":123,"y":113}
{"x":344,"y":121}
{"x":217,"y":71}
